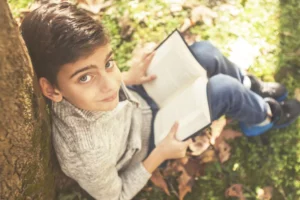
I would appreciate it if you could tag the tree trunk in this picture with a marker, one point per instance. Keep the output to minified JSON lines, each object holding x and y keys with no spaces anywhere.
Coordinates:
{"x":25,"y":143}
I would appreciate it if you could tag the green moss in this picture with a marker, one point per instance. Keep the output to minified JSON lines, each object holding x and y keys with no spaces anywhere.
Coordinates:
{"x":40,"y":176}
{"x":17,"y":5}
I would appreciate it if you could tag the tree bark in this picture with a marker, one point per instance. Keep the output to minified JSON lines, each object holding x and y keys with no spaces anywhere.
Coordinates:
{"x":25,"y":143}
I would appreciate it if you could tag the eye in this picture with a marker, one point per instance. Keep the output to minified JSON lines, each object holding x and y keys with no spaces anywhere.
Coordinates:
{"x":109,"y":64}
{"x":85,"y":78}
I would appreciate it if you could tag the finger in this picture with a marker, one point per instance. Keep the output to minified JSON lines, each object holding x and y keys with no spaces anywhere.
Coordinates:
{"x":188,"y":142}
{"x":147,"y":53}
{"x":148,"y":59}
{"x":151,"y":47}
{"x":188,"y":153}
{"x":146,"y":79}
{"x":174,"y":129}
{"x":151,"y":54}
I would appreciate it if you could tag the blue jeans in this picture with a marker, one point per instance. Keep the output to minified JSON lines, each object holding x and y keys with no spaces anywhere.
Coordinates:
{"x":226,"y":93}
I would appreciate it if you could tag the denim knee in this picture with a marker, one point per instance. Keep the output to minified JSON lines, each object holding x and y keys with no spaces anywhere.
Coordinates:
{"x":207,"y":55}
{"x":205,"y":50}
{"x":221,"y":89}
{"x":213,"y":61}
{"x":226,"y":95}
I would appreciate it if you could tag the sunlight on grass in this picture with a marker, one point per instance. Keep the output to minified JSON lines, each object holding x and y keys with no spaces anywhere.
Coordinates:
{"x":17,"y":5}
{"x":257,"y":23}
{"x":272,"y":27}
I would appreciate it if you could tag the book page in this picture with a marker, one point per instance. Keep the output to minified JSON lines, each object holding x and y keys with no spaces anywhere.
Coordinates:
{"x":190,"y":108}
{"x":175,"y":68}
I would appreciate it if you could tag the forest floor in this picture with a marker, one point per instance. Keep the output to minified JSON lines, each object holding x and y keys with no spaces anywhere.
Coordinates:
{"x":268,"y":31}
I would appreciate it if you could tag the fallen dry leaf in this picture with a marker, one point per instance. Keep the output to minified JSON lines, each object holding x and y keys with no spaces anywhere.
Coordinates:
{"x":223,"y":149}
{"x":186,"y":25}
{"x":207,"y":156}
{"x":222,"y":146}
{"x":159,"y":181}
{"x":190,"y":4}
{"x":203,"y":13}
{"x":217,"y":128}
{"x":218,"y":138}
{"x":175,"y":8}
{"x":147,"y":189}
{"x":233,"y":10}
{"x":235,"y":190}
{"x":94,"y":6}
{"x":200,"y":144}
{"x":178,"y":166}
{"x":175,"y":5}
{"x":185,"y":184}
{"x":226,"y":135}
{"x":199,"y":14}
{"x":191,"y":38}
{"x":188,"y":168}
{"x":141,"y":16}
{"x":169,"y":169}
{"x":126,"y":27}
{"x":265,"y":193}
{"x":192,"y":167}
{"x":297,"y":94}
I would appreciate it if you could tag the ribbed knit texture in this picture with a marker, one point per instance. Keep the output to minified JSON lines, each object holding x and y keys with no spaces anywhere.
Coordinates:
{"x":103,"y":151}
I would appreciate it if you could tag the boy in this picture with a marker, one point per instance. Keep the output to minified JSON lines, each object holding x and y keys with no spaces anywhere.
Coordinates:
{"x":101,"y":130}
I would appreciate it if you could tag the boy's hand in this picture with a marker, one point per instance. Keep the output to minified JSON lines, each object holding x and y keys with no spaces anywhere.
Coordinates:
{"x":136,"y":75}
{"x":170,"y":147}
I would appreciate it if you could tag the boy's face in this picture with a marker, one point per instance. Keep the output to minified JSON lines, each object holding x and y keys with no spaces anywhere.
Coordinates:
{"x":91,"y":83}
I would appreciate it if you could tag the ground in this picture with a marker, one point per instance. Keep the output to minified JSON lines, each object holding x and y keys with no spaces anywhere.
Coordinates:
{"x":273,"y":28}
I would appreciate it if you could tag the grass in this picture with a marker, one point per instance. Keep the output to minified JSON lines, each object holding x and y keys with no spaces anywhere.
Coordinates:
{"x":17,"y":5}
{"x":268,"y":160}
{"x":272,"y":159}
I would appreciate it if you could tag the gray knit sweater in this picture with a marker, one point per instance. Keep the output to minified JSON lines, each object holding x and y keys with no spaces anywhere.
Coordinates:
{"x":103,"y":151}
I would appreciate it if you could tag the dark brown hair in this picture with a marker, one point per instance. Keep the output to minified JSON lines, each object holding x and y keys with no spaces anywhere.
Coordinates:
{"x":57,"y":34}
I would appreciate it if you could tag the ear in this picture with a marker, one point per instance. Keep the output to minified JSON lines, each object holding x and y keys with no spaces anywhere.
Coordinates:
{"x":49,"y":90}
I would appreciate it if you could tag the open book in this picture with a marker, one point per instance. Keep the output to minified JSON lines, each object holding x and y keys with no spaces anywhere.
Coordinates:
{"x":179,"y":89}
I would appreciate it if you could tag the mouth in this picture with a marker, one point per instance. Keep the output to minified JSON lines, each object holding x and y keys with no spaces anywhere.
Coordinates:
{"x":111,"y":98}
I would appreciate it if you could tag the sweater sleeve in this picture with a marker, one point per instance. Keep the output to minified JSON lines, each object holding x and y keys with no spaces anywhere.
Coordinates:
{"x":97,"y":174}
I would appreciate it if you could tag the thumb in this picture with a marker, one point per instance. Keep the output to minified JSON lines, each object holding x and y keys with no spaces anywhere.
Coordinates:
{"x":146,"y":79}
{"x":188,"y":142}
{"x":174,"y":129}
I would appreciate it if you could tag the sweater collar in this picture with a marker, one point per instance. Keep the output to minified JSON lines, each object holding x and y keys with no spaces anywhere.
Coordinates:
{"x":65,"y":109}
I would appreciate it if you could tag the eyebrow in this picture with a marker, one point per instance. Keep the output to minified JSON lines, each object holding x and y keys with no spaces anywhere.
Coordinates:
{"x":108,"y":56}
{"x":90,"y":66}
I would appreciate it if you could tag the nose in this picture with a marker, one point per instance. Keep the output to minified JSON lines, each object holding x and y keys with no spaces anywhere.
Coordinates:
{"x":106,"y":83}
